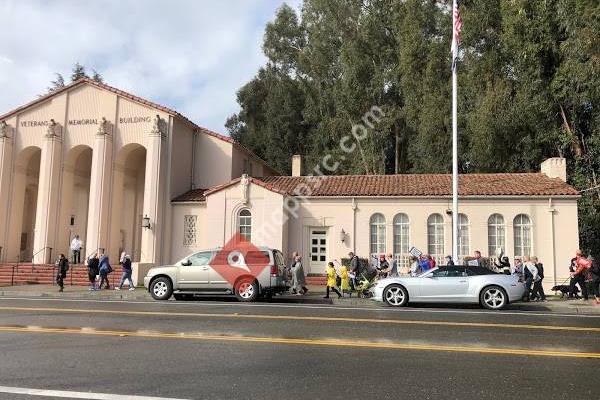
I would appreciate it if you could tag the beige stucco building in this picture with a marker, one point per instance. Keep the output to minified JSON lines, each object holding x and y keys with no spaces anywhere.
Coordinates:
{"x":94,"y":161}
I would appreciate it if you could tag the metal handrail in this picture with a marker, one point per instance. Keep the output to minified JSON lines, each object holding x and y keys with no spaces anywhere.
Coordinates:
{"x":38,"y":252}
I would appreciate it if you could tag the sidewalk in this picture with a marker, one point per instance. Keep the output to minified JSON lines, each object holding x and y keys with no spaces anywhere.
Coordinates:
{"x":314,"y":296}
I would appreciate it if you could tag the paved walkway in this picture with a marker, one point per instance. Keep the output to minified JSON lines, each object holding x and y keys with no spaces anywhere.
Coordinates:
{"x":315,"y":296}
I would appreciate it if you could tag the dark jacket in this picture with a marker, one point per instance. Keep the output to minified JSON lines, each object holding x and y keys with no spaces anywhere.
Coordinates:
{"x":63,"y":266}
{"x":126,"y":265}
{"x":105,"y":267}
{"x":354,"y":264}
{"x":595,"y":270}
{"x":93,"y":266}
{"x":540,"y":268}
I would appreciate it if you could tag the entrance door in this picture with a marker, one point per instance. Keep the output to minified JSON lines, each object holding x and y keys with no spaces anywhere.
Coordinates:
{"x":318,"y":249}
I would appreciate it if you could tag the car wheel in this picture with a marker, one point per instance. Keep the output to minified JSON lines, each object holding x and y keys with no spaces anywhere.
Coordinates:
{"x":395,"y":295}
{"x":493,"y":298}
{"x":161,"y":288}
{"x":246,"y":290}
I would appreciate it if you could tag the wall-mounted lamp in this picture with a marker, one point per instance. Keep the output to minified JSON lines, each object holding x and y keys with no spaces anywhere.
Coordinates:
{"x":342,"y":235}
{"x":146,"y":222}
{"x":449,"y":212}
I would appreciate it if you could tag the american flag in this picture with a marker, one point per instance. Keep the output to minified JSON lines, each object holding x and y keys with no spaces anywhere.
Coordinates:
{"x":455,"y":32}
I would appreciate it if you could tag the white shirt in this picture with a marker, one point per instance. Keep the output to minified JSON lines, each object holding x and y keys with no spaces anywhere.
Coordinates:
{"x":533,"y":269}
{"x":76,"y":244}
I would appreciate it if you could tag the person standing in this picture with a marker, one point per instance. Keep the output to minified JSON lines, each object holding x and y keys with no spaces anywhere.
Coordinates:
{"x":63,"y":267}
{"x":519,"y":269}
{"x":298,"y":279}
{"x":394,"y":265}
{"x":538,"y":289}
{"x":331,"y":280}
{"x":582,"y":266}
{"x":383,"y":266}
{"x":288,"y":272}
{"x":76,"y":245}
{"x":530,"y":274}
{"x":414,"y":269}
{"x":345,"y":281}
{"x":104,"y":270}
{"x":449,"y":261}
{"x":93,"y":270}
{"x":127,"y":270}
{"x":354,"y":268}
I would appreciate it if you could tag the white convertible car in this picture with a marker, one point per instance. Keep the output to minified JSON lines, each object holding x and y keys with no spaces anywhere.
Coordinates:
{"x":455,"y":284}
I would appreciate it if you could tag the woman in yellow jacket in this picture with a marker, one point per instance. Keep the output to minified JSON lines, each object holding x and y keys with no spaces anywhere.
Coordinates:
{"x":331,"y":278}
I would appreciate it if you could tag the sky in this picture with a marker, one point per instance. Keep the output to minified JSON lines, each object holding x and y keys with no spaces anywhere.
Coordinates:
{"x":189,"y":55}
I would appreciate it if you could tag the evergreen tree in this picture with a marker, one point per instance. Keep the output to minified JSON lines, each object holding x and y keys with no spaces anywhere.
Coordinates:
{"x":77,"y":72}
{"x":527,"y":76}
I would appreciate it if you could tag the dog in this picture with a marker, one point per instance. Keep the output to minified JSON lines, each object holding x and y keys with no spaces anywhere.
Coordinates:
{"x":564,"y":290}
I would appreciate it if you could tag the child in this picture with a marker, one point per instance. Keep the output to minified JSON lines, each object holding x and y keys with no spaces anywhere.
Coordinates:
{"x":331,"y":278}
{"x":345,"y":286}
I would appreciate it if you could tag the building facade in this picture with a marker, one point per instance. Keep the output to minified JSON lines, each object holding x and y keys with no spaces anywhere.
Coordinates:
{"x":94,"y":161}
{"x":126,"y":174}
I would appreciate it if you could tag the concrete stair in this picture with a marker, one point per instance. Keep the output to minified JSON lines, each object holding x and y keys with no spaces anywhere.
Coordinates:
{"x":28,"y":274}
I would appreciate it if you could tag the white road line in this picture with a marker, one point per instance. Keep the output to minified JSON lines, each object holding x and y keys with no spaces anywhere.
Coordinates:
{"x":77,"y":395}
{"x":314,"y":307}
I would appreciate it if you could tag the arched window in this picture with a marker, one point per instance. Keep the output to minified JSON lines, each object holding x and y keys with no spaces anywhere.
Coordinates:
{"x":401,"y":235}
{"x":463,"y":235}
{"x":245,"y":224}
{"x":377,"y":224}
{"x":435,"y":235}
{"x":522,"y":234}
{"x":496,"y":237}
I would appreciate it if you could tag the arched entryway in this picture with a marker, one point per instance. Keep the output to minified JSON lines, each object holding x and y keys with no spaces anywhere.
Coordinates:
{"x":128,"y":201}
{"x":24,"y":204}
{"x":74,"y":200}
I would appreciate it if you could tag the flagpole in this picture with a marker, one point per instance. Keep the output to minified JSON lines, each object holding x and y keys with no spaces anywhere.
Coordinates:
{"x":454,"y":143}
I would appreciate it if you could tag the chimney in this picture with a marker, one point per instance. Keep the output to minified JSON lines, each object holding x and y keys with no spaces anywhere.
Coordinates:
{"x":555,"y":168}
{"x":296,"y":165}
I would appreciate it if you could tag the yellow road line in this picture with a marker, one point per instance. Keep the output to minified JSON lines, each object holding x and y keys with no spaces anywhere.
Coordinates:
{"x":305,"y":318}
{"x":301,"y":341}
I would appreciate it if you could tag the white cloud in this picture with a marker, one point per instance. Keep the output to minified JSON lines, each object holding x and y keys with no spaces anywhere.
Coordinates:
{"x":186,"y":54}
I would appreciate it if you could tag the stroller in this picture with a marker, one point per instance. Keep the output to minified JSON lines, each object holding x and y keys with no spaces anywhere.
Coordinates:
{"x":364,"y":281}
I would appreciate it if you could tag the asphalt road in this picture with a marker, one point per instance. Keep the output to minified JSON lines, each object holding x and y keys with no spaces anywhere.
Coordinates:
{"x":227,"y":350}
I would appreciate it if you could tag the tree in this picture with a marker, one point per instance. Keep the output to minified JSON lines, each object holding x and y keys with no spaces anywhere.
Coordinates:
{"x":56,"y":84}
{"x":528,"y":89}
{"x":77,"y":72}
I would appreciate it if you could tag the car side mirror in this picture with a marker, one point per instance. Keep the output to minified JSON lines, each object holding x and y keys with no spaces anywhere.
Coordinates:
{"x":186,"y":263}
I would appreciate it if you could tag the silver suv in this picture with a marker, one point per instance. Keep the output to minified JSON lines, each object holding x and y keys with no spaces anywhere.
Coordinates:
{"x":203,"y":274}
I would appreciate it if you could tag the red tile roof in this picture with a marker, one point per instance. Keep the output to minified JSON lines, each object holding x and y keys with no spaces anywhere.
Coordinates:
{"x":140,"y":101}
{"x":426,"y":185}
{"x":519,"y":184}
{"x":192,"y":195}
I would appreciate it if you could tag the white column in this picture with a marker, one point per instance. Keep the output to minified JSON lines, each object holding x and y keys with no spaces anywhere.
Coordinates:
{"x":6,"y":155}
{"x":99,"y":217}
{"x":48,"y":197}
{"x":154,"y":188}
